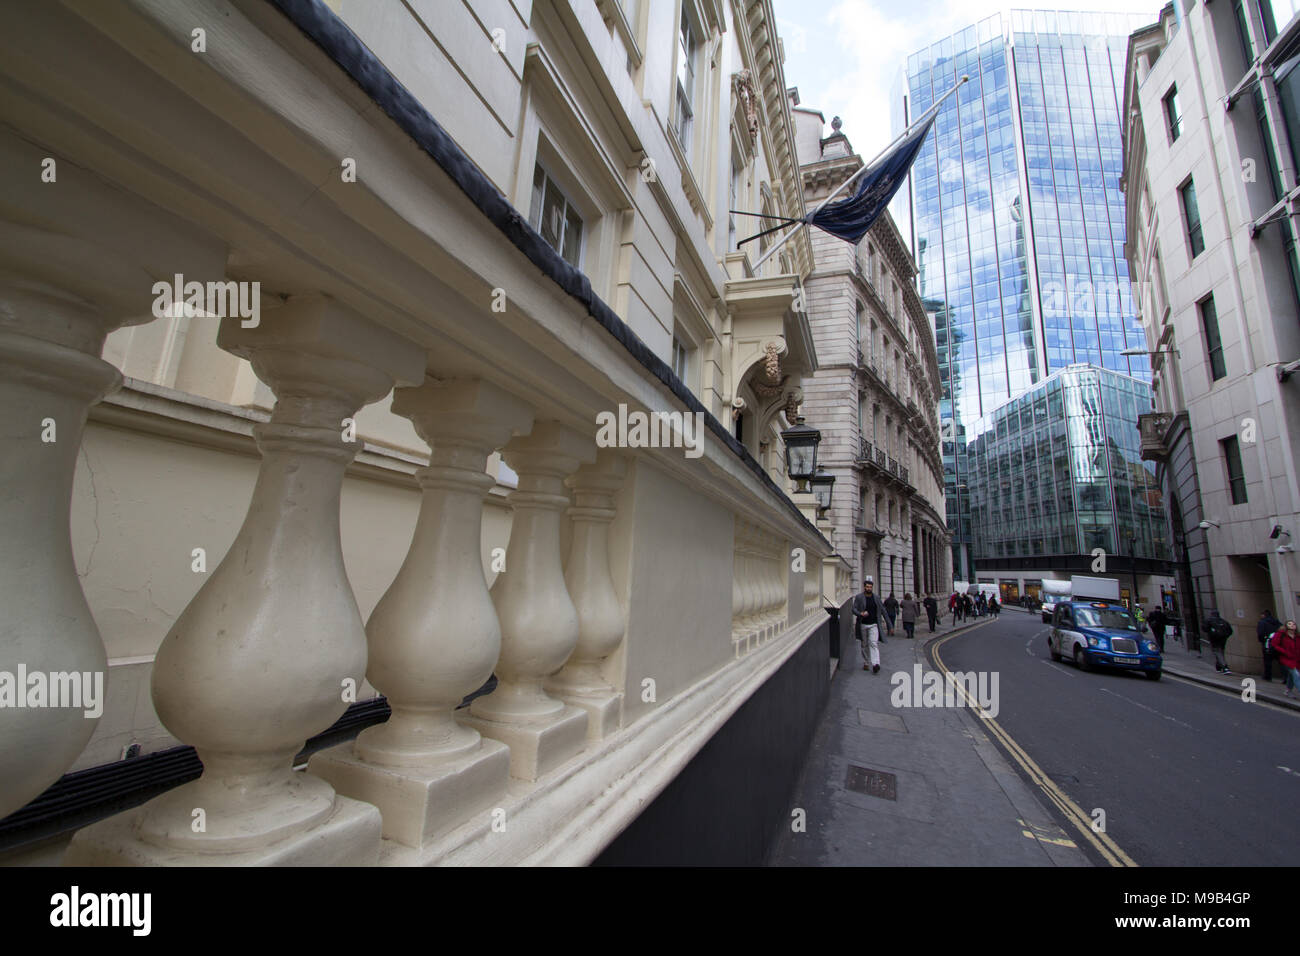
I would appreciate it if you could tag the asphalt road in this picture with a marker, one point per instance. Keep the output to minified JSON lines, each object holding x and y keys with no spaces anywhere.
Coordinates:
{"x":1186,"y":775}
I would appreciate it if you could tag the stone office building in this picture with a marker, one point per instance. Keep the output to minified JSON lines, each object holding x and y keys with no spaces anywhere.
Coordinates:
{"x":875,"y":393}
{"x":1211,"y":153}
{"x":462,"y":233}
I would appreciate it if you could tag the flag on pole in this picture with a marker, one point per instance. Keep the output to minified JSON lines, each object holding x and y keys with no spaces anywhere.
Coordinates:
{"x":850,"y":218}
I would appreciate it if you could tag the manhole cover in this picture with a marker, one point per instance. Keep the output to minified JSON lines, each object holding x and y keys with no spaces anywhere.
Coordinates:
{"x":874,"y":783}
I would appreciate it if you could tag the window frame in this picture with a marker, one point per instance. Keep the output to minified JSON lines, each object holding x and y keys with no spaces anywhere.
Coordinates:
{"x":537,"y":206}
{"x":1173,"y":114}
{"x":1230,"y":449}
{"x":1213,"y":342}
{"x":1195,"y":232}
{"x":688,"y":52}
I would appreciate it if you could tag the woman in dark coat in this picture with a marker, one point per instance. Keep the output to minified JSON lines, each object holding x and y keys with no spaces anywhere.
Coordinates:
{"x":909,"y":609}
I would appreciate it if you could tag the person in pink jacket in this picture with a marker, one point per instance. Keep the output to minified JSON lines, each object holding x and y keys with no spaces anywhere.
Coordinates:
{"x":1285,"y":644}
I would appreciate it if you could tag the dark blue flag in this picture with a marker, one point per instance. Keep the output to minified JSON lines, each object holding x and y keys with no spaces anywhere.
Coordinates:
{"x":851,"y":218}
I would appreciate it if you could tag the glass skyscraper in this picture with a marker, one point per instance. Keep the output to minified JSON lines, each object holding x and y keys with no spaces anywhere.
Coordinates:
{"x":1057,"y":473}
{"x":1016,"y":217}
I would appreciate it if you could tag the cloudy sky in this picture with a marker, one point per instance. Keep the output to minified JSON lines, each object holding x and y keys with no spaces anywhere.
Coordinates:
{"x":844,"y":55}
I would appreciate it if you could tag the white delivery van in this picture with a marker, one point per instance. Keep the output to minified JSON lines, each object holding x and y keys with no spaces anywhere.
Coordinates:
{"x":1086,"y":588}
{"x":1053,"y":591}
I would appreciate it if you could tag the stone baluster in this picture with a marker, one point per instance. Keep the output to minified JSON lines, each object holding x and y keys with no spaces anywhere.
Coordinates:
{"x":811,"y":584}
{"x":754,"y":577}
{"x":742,"y":598}
{"x":737,"y":597}
{"x":765,"y":588}
{"x":434,"y":636}
{"x":771,"y":577}
{"x":50,"y":375}
{"x":600,"y":615}
{"x":539,"y":623}
{"x":745,"y":558}
{"x":272,"y":647}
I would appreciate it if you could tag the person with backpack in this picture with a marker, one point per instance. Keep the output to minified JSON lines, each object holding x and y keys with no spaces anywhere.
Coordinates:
{"x":931,"y":609}
{"x":1218,"y":630}
{"x":1268,"y":626}
{"x":909,"y":610}
{"x":1285,"y":644}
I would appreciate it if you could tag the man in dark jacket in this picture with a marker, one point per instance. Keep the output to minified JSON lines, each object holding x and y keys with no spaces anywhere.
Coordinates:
{"x":868,"y":615}
{"x":1218,"y":630}
{"x":1263,"y":630}
{"x":1157,"y":621}
{"x":891,"y":612}
{"x":931,"y":609}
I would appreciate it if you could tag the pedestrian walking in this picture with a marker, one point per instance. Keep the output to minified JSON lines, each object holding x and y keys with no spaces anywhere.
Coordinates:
{"x":868,"y":615}
{"x":1218,"y":630}
{"x":1157,"y":620}
{"x":909,"y":611}
{"x":967,"y":606}
{"x":1268,"y":626}
{"x":1285,"y":644}
{"x":952,"y":606}
{"x":931,"y":609}
{"x":994,"y":607}
{"x":891,"y":612}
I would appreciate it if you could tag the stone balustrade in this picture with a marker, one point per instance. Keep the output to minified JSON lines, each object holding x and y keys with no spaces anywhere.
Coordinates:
{"x":604,"y":624}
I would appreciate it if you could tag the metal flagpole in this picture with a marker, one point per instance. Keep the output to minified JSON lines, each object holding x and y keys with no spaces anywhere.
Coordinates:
{"x":934,"y":108}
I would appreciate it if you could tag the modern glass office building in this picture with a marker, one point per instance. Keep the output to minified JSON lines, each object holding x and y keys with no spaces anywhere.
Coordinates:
{"x":1057,"y":474}
{"x":1016,"y":217}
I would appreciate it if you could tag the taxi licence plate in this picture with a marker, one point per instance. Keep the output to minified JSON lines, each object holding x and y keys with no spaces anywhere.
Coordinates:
{"x":1126,"y":660}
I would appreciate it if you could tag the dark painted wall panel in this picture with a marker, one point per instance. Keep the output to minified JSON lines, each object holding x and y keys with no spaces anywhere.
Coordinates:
{"x":728,"y":804}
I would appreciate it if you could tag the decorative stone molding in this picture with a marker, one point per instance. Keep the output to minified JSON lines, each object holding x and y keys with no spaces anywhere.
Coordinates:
{"x":742,"y":85}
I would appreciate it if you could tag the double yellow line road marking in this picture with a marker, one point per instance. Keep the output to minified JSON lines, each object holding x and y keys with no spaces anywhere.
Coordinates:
{"x":1109,"y":850}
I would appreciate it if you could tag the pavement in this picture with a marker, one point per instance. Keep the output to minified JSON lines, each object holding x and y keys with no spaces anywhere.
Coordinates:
{"x":896,"y":786}
{"x":1198,"y":666}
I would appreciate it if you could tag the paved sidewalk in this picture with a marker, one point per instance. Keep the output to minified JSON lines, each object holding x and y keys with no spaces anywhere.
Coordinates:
{"x":956,"y":800}
{"x":1199,"y":667}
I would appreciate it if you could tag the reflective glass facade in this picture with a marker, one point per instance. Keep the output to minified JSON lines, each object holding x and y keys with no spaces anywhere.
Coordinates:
{"x":1058,"y":471}
{"x":1016,"y":216}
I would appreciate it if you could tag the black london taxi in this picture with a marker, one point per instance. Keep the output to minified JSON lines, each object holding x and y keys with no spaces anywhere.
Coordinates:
{"x":1102,"y":634}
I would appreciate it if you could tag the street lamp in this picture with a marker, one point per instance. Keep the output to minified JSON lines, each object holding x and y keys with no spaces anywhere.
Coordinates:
{"x":822,"y":483}
{"x":801,"y":443}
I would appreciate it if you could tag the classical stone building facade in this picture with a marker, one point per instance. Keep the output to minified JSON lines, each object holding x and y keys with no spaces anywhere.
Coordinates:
{"x":875,"y":392}
{"x":425,"y":250}
{"x":1210,"y":180}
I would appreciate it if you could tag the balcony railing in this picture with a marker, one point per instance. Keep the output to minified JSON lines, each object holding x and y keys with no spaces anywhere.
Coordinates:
{"x":893,"y":465}
{"x":268,"y":646}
